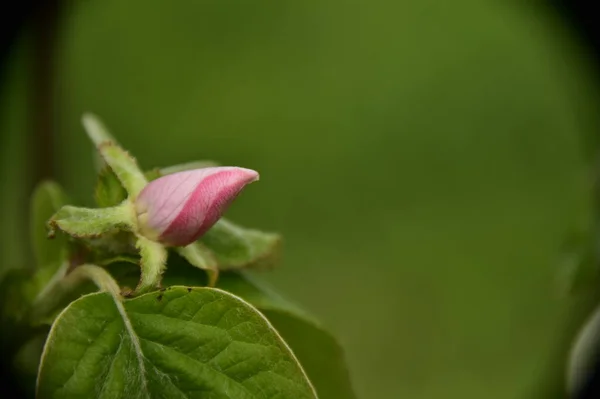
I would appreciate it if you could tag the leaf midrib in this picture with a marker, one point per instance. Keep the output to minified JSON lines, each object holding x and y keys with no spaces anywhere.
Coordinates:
{"x":234,"y":381}
{"x":135,"y":342}
{"x":207,"y":364}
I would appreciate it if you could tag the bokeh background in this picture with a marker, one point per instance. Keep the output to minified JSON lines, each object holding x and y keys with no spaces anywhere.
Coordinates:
{"x":425,"y":162}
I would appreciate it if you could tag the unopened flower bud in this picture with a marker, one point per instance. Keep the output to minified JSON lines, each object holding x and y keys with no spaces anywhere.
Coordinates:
{"x":177,"y":209}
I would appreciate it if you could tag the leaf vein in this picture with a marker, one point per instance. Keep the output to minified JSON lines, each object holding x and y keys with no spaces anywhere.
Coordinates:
{"x":236,"y":382}
{"x":102,"y":331}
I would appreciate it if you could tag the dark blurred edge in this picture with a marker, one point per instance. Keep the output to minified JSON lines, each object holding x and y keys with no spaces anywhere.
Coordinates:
{"x":581,"y":17}
{"x":578,"y":15}
{"x":13,"y":17}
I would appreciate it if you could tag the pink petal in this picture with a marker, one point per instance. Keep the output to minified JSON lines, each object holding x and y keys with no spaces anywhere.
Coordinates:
{"x":177,"y":209}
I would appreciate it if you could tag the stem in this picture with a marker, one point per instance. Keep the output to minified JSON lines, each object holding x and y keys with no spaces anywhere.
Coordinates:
{"x":60,"y":285}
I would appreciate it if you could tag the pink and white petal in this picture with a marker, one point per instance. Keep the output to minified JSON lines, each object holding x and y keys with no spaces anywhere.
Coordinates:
{"x":206,"y":204}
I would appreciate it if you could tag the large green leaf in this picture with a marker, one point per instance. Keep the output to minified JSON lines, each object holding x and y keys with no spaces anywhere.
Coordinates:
{"x":179,"y":343}
{"x":317,"y":350}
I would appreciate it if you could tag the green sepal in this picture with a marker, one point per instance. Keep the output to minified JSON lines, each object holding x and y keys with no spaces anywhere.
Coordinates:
{"x":88,"y":223}
{"x":153,"y":259}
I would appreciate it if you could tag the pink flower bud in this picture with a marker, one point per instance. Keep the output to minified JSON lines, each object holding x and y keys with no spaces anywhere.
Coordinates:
{"x":177,"y":209}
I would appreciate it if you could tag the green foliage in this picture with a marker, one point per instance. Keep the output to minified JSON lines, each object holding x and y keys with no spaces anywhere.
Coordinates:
{"x":109,"y":191}
{"x":123,"y":165}
{"x":235,"y":247}
{"x":178,"y":343}
{"x":152,"y":264}
{"x":317,"y":350}
{"x":46,"y":200}
{"x":174,"y":338}
{"x":199,"y":256}
{"x":88,"y":223}
{"x":49,"y":255}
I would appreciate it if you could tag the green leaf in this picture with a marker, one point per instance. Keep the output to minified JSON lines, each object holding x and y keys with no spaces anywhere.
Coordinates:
{"x":86,"y":222}
{"x":109,"y":190}
{"x":180,"y":343}
{"x":46,"y":200}
{"x":317,"y":350}
{"x":235,"y":247}
{"x":152,"y":264}
{"x":120,"y":161}
{"x":197,"y":255}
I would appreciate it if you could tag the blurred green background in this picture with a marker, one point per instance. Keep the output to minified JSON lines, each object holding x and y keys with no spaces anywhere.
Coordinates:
{"x":425,"y":162}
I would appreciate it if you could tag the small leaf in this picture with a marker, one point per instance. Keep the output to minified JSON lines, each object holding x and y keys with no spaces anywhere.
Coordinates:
{"x":86,"y":222}
{"x":181,"y":343}
{"x":197,"y":255}
{"x":235,"y":247}
{"x":152,"y":264}
{"x":46,"y":200}
{"x":120,"y":161}
{"x":109,"y":191}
